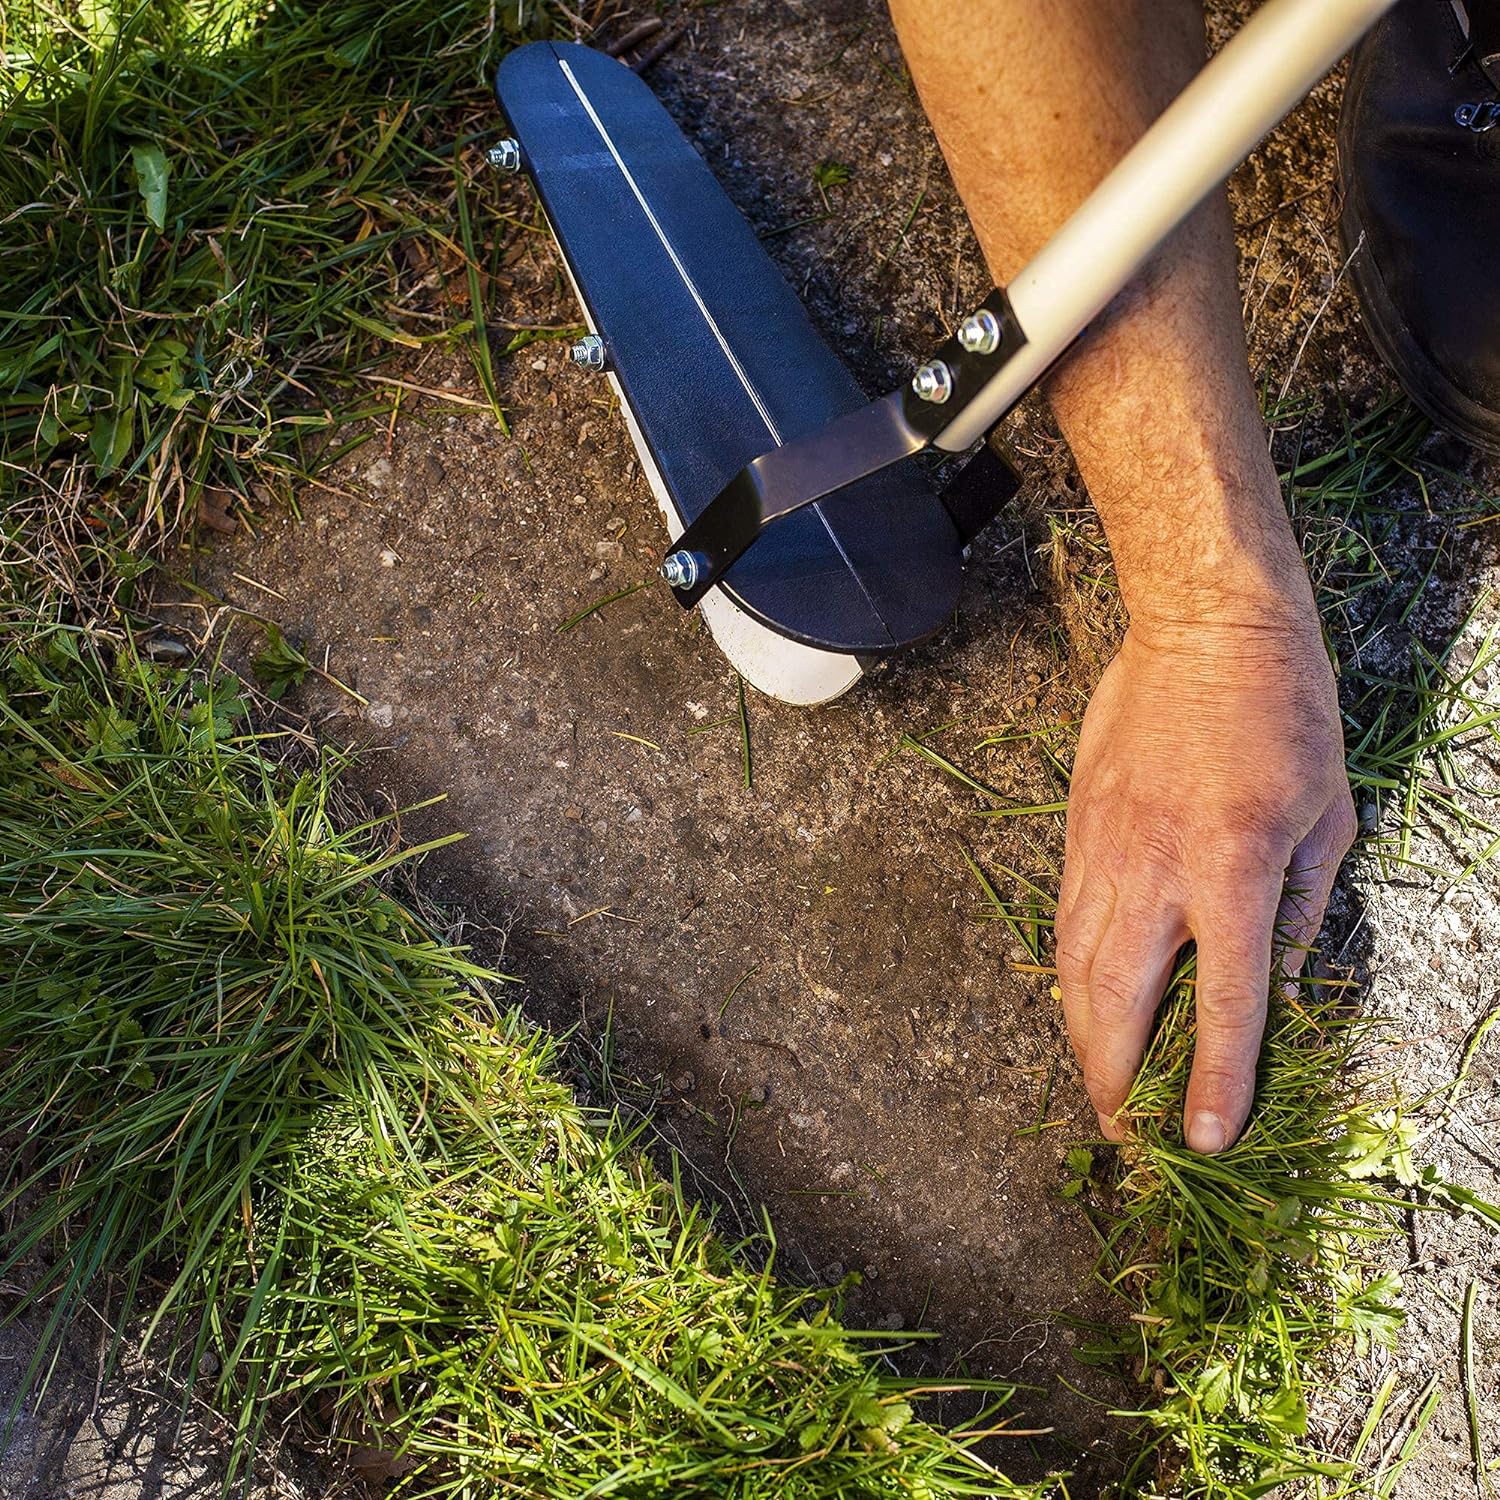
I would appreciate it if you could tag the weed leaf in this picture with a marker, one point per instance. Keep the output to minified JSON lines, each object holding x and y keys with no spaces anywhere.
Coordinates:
{"x":280,"y":665}
{"x":151,"y":171}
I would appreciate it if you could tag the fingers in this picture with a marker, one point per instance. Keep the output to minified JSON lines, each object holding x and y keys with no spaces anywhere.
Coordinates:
{"x":1116,"y":946}
{"x":1125,"y":984}
{"x":1234,"y":935}
{"x":1083,"y":912}
{"x":1309,"y":883}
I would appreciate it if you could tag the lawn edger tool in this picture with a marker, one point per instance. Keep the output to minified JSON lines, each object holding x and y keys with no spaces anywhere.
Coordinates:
{"x":799,"y":523}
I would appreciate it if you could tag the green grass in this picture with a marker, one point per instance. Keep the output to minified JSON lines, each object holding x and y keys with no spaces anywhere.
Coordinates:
{"x":1245,"y":1272}
{"x":1402,"y":755}
{"x":216,"y":216}
{"x":1243,"y":1277}
{"x":1407,"y":707}
{"x":280,"y":1122}
{"x":291,"y":1129}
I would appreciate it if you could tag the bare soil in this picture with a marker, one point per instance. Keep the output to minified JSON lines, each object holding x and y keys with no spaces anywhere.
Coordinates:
{"x":126,"y":1437}
{"x":793,"y":968}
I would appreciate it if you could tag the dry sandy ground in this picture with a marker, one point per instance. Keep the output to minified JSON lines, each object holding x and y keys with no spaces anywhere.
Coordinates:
{"x":794,"y":967}
{"x":125,"y":1437}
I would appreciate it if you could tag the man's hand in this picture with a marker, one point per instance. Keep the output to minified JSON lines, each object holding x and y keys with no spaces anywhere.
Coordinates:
{"x":1209,"y":801}
{"x":1211,"y":765}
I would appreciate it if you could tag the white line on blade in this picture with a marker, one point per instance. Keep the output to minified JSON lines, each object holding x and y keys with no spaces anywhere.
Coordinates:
{"x":708,"y":317}
{"x":666,"y":245}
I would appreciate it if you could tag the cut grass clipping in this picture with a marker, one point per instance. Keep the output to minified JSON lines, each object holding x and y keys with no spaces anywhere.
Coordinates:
{"x":295,"y":1132}
{"x":216,"y":212}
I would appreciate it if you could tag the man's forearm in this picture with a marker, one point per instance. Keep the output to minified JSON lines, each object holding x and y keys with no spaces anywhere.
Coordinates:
{"x":1156,"y":400}
{"x":1209,"y":798}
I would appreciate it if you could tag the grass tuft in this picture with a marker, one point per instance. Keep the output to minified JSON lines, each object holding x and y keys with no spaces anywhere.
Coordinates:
{"x":216,"y":215}
{"x":294,"y":1132}
{"x":1246,"y":1271}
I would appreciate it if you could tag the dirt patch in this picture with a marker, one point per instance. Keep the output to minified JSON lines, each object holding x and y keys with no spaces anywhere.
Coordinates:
{"x":128,"y":1435}
{"x":795,"y":960}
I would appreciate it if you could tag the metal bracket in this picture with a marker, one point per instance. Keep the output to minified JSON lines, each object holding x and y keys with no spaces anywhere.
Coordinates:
{"x":846,"y":450}
{"x":979,"y":491}
{"x":969,"y":369}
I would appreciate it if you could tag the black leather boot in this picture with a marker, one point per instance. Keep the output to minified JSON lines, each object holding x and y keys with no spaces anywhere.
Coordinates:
{"x":1419,"y":161}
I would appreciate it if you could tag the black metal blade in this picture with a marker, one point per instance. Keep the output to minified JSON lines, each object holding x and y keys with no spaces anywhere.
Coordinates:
{"x":846,"y":450}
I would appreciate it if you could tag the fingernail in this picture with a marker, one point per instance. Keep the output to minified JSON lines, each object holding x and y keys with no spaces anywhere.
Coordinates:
{"x":1206,"y":1133}
{"x":1109,"y":1128}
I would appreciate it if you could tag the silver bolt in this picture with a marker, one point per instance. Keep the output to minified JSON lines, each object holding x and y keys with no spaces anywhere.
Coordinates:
{"x":505,"y":156}
{"x":588,"y":352}
{"x":933,"y":382}
{"x":979,"y":333}
{"x":683,"y":569}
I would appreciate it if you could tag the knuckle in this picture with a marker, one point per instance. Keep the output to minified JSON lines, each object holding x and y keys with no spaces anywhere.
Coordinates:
{"x":1233,"y":1012}
{"x":1251,"y":844}
{"x":1114,"y":997}
{"x":1104,"y":1089}
{"x":1072,"y":961}
{"x":1345,"y":825}
{"x":1222,"y":1084}
{"x":1093,"y":834}
{"x":1073,"y":950}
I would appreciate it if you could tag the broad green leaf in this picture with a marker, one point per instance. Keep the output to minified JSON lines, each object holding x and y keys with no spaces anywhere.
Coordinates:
{"x":280,"y":666}
{"x":109,"y":441}
{"x":1380,"y":1145}
{"x":1214,"y":1387}
{"x":151,"y":171}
